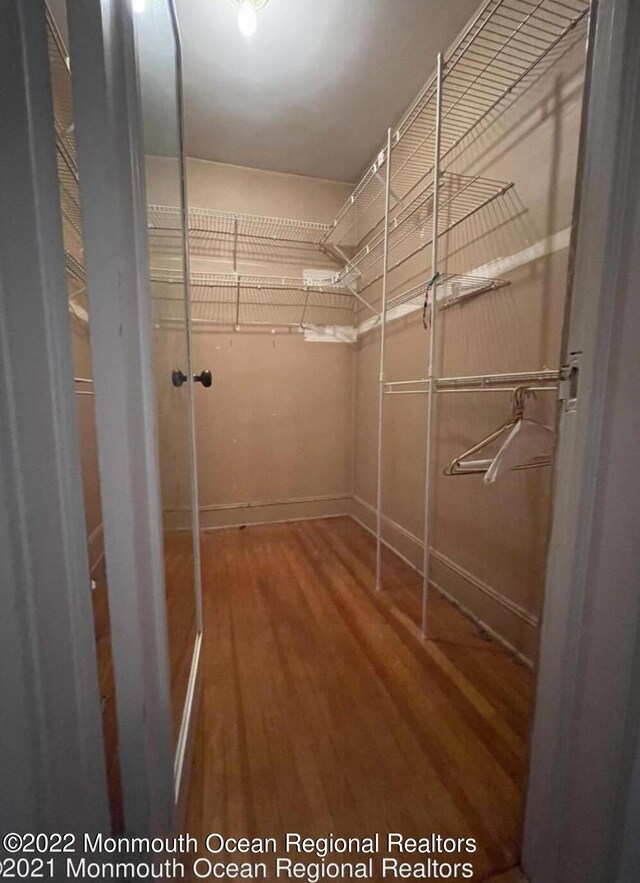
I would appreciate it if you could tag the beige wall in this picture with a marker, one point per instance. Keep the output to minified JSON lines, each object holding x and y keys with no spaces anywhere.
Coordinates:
{"x":275,"y":428}
{"x":489,"y":542}
{"x":275,"y":431}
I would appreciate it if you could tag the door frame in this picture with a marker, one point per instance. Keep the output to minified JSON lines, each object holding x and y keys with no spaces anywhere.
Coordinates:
{"x":52,"y":774}
{"x":112,"y":184}
{"x":583,"y":802}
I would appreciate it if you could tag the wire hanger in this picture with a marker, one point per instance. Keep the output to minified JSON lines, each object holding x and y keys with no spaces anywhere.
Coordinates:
{"x":510,"y":430}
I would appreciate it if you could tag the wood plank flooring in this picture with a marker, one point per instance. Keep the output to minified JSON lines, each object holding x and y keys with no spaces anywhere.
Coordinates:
{"x":104,"y":657}
{"x":324,"y":712}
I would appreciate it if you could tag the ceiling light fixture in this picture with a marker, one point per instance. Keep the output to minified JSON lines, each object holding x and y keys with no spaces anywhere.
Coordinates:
{"x":247,"y":15}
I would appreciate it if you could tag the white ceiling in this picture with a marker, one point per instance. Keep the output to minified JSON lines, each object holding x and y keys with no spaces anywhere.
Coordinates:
{"x":315,"y":88}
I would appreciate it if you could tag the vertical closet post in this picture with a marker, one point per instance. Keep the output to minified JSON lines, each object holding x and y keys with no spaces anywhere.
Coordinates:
{"x":235,"y":244}
{"x":383,"y":331}
{"x":237,"y":325}
{"x":433,"y":368}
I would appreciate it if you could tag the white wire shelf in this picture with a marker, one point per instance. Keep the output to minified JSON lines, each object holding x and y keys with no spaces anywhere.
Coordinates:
{"x":74,"y":268}
{"x":64,"y":131}
{"x":410,"y":225}
{"x":233,"y":236}
{"x":491,"y":61}
{"x":237,"y":300}
{"x":452,"y":289}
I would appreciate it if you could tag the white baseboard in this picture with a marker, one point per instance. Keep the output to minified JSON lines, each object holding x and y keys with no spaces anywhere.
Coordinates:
{"x":515,"y":628}
{"x":222,"y":515}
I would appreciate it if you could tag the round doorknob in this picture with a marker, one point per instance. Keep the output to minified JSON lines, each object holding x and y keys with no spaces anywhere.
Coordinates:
{"x":178,"y":377}
{"x":204,"y":377}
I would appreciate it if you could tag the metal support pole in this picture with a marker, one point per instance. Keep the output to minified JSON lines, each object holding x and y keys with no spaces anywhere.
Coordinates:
{"x":433,"y":367}
{"x":235,"y":244}
{"x":383,"y":331}
{"x":304,"y":310}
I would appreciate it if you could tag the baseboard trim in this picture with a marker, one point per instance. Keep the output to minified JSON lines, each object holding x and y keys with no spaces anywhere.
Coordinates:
{"x":487,"y":607}
{"x":525,"y":660}
{"x":273,"y":512}
{"x":274,"y":521}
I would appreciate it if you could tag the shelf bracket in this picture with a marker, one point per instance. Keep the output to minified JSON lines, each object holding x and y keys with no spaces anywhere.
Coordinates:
{"x":364,"y":302}
{"x":392,"y":195}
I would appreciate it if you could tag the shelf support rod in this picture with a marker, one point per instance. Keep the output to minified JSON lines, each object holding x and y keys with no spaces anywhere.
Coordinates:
{"x":383,"y":332}
{"x":364,"y":302}
{"x":347,"y":261}
{"x":304,"y":310}
{"x":392,"y":195}
{"x":433,"y":362}
{"x":235,"y":243}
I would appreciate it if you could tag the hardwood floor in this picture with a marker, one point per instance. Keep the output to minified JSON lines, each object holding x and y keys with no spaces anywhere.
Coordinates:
{"x":104,"y":657}
{"x":324,"y":711}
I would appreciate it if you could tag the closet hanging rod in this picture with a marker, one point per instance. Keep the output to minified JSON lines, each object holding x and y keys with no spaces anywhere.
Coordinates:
{"x":511,"y":389}
{"x":83,"y":379}
{"x":484,"y":380}
{"x":518,"y":378}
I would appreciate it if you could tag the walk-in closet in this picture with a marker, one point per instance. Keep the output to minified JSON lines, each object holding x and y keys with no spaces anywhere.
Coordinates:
{"x":355,"y":386}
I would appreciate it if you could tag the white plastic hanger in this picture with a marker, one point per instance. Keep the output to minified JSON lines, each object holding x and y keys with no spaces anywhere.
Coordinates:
{"x":527,"y":445}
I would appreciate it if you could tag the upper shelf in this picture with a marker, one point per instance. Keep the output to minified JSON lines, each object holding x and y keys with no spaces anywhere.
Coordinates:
{"x":410,"y":225}
{"x":490,"y":61}
{"x":236,"y":237}
{"x":208,"y":222}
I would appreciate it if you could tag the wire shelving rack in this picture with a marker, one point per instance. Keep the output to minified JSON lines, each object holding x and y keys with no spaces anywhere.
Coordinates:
{"x":237,"y":236}
{"x":212,"y":223}
{"x":66,"y":160}
{"x":410,"y":228}
{"x":237,"y":300}
{"x":453,"y":288}
{"x":491,"y":62}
